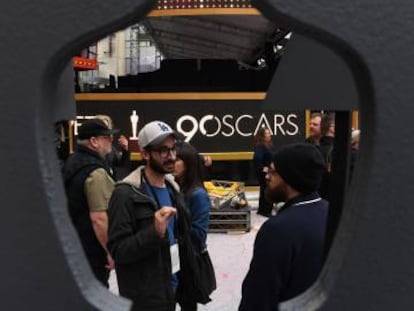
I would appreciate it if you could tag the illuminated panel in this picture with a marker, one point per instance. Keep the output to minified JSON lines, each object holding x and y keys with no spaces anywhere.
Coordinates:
{"x":84,"y":63}
{"x":201,"y":4}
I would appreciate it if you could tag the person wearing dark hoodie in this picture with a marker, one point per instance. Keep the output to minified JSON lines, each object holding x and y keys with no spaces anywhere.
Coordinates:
{"x":149,"y":226}
{"x":289,"y":247}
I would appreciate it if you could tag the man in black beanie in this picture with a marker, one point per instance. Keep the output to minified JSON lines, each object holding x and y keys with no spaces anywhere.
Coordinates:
{"x":289,"y":247}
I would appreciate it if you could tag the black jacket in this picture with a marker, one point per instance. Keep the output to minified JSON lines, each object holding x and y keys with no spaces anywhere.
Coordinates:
{"x":262,"y":157}
{"x":326,"y":148}
{"x":75,"y":171}
{"x":142,"y":258}
{"x":288,"y":254}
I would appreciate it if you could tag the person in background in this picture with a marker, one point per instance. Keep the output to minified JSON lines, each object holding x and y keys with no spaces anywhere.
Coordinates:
{"x":315,"y":129}
{"x":355,"y":139}
{"x":288,"y":251}
{"x":207,"y":163}
{"x":149,"y":234}
{"x":119,"y":158}
{"x":326,"y":147}
{"x":326,"y":142}
{"x":206,"y":160}
{"x":188,"y":173}
{"x":89,"y":185}
{"x":261,"y":158}
{"x":354,"y":150}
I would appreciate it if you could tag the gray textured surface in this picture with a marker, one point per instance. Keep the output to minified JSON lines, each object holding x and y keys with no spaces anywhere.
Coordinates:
{"x":313,"y":76}
{"x":40,"y":256}
{"x":370,"y":267}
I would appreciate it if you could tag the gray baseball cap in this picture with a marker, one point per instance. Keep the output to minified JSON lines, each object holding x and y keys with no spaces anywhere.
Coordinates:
{"x":153,"y":133}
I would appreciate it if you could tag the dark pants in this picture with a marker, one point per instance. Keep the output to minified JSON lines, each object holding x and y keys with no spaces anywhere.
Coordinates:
{"x":100,"y":271}
{"x":188,"y":306}
{"x":265,"y":207}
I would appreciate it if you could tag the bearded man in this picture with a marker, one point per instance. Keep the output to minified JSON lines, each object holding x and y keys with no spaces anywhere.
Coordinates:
{"x":148,"y":225}
{"x":289,"y":247}
{"x":88,"y":185}
{"x":315,"y":133}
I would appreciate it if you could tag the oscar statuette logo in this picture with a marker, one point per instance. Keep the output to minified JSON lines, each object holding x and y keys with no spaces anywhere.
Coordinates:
{"x":134,"y":118}
{"x":133,"y":140}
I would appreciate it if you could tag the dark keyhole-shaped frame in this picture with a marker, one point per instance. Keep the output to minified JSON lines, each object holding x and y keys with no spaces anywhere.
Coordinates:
{"x":369,"y":266}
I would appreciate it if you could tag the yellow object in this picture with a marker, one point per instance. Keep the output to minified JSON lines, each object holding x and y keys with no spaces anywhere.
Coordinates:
{"x":222,"y":188}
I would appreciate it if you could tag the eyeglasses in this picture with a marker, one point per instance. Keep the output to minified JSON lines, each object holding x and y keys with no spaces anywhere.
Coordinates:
{"x":164,"y":151}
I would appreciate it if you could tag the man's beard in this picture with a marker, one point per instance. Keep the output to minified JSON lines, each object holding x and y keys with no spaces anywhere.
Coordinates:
{"x":159,"y":168}
{"x":276,"y":195}
{"x":104,"y":153}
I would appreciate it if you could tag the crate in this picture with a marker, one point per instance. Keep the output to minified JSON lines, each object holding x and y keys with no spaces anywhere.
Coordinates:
{"x":230,"y":220}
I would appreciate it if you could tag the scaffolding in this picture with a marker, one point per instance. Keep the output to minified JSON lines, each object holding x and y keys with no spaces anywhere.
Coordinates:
{"x":140,"y":53}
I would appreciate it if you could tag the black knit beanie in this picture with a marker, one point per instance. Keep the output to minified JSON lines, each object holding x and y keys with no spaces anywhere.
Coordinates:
{"x":301,"y":166}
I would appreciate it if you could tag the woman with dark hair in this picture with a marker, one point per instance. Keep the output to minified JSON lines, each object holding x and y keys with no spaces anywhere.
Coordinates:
{"x":189,"y":175}
{"x":263,"y":150}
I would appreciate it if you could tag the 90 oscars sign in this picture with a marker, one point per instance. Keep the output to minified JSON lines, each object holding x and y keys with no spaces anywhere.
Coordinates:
{"x":210,"y":125}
